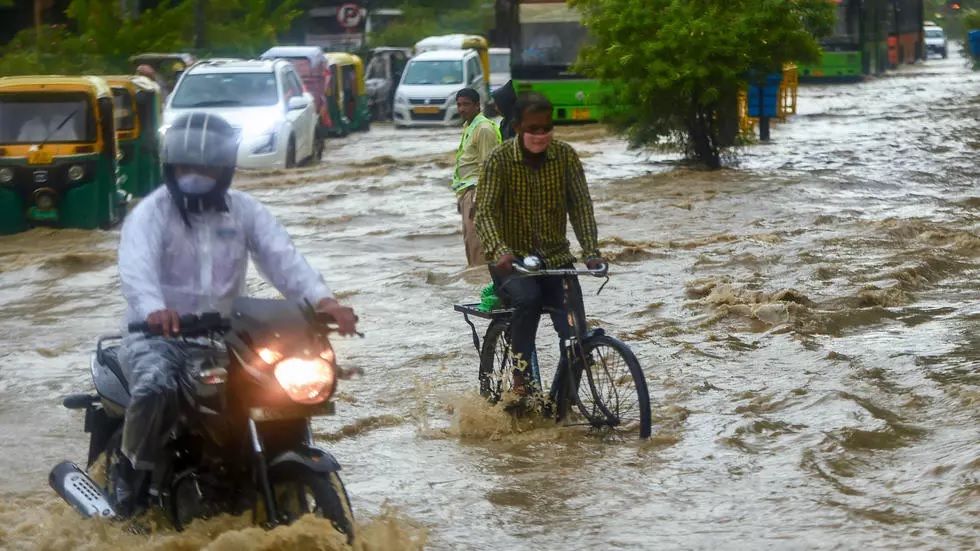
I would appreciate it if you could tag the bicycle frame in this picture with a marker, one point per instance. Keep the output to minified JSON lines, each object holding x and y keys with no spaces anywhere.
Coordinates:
{"x":571,"y":347}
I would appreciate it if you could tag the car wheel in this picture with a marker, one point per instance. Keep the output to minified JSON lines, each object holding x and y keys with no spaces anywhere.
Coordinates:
{"x":291,"y":153}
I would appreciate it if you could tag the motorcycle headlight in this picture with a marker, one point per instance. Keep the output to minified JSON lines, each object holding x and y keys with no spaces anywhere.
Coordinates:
{"x":306,"y":381}
{"x":269,"y":355}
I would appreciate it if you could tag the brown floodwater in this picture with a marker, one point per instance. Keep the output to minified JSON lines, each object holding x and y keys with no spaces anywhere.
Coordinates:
{"x":809,"y":324}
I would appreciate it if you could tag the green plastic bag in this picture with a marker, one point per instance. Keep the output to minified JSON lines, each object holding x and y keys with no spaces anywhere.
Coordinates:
{"x":489,"y":300}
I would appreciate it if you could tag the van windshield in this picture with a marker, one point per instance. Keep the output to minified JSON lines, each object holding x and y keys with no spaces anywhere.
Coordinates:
{"x":36,"y":116}
{"x":434,"y":72}
{"x":934,"y":33}
{"x":500,"y":63}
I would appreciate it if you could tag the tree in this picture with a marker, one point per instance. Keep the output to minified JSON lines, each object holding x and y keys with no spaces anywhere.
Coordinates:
{"x":673,"y":65}
{"x":424,"y":18}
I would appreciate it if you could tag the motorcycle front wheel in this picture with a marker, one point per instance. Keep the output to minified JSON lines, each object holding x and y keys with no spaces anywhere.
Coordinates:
{"x":300,"y":491}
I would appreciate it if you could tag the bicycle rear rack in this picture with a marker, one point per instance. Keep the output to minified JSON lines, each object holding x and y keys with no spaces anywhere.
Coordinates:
{"x":471,"y":310}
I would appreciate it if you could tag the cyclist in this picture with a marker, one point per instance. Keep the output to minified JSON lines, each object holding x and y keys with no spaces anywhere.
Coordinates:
{"x":529,"y":188}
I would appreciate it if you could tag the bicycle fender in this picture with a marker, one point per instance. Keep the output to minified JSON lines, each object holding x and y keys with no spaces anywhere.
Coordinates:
{"x":314,"y":459}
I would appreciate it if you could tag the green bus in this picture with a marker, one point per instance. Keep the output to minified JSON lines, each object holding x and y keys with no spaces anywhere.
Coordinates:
{"x":544,"y":38}
{"x":858,"y":45}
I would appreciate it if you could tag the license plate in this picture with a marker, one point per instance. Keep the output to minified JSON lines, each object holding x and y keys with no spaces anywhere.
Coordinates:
{"x":39,"y":157}
{"x":581,"y":114}
{"x":281,"y":413}
{"x":431,"y":110}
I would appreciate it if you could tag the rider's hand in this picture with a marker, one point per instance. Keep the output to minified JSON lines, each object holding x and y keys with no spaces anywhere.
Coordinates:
{"x":343,"y":315}
{"x":595,"y":263}
{"x":168,"y":322}
{"x":505,"y":264}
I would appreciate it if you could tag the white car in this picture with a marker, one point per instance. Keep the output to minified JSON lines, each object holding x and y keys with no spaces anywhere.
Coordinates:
{"x":426,"y":95}
{"x":263,"y":100}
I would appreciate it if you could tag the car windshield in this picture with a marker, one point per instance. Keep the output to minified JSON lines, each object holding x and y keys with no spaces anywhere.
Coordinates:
{"x":499,"y":63}
{"x":122,"y":107}
{"x":934,"y":33}
{"x":36,"y":116}
{"x":226,"y":90}
{"x":434,"y":72}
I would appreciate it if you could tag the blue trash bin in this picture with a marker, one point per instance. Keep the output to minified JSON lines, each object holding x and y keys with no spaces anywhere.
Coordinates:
{"x":769,"y":90}
{"x":974,"y":39}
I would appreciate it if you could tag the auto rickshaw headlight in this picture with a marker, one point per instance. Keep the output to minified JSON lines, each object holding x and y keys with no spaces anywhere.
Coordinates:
{"x":76,"y":172}
{"x":44,"y":198}
{"x":6,"y":175}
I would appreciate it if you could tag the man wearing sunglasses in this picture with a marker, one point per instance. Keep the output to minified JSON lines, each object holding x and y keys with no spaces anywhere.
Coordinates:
{"x":529,"y":189}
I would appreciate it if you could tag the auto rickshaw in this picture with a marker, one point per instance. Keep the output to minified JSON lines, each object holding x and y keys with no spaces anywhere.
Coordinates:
{"x":137,"y":120}
{"x":311,"y":65}
{"x":459,"y":42}
{"x":382,"y":74}
{"x":168,"y":66}
{"x":350,"y":91}
{"x":58,"y":150}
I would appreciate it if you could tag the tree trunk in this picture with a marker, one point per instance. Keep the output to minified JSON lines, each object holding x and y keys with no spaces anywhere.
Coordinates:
{"x":199,"y":10}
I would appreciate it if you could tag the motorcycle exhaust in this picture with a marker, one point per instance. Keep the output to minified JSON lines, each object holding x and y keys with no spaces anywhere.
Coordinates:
{"x":81,"y":492}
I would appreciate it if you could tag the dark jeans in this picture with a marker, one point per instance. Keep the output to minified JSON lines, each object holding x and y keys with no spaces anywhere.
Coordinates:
{"x":527,"y":296}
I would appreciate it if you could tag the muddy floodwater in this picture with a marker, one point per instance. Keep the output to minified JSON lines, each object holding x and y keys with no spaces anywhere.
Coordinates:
{"x":809,"y":325}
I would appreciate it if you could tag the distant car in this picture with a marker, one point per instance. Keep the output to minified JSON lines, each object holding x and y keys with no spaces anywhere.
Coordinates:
{"x":263,"y":100}
{"x":499,"y":67}
{"x":935,"y":41}
{"x":426,"y":95}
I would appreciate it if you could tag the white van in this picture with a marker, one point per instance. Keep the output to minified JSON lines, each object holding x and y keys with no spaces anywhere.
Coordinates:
{"x":499,"y":67}
{"x":426,"y":94}
{"x":935,"y":40}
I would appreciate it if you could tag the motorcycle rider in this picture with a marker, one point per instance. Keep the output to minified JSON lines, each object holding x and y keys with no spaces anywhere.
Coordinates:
{"x":183,"y":250}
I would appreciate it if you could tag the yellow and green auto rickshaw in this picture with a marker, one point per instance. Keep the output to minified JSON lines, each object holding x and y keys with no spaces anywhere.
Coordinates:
{"x":58,"y":152}
{"x":351,"y":107}
{"x":167,"y":66}
{"x":137,"y":119}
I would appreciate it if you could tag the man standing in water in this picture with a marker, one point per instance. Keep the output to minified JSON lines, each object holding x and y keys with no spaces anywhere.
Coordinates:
{"x":480,"y":137}
{"x":529,"y":188}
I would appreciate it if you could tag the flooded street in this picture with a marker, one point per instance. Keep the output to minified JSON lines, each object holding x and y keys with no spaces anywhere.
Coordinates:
{"x":809,"y":325}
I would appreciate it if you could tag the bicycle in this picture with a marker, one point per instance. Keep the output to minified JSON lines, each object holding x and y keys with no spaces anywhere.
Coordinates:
{"x":600,"y":406}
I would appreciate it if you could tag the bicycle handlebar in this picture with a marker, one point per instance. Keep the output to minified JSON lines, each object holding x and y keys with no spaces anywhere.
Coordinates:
{"x":528,"y":269}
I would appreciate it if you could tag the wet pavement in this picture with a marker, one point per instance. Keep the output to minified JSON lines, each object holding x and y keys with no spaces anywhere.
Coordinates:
{"x":808,"y":324}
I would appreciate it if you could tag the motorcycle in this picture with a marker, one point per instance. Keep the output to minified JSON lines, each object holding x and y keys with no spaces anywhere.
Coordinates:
{"x":243,"y":439}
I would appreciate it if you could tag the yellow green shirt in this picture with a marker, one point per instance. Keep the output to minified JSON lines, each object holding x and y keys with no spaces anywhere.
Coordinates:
{"x":480,"y":137}
{"x":523,"y":210}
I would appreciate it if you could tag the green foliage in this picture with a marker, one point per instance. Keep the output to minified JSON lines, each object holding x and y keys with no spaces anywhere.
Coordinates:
{"x":676,"y":65}
{"x":107,"y":36}
{"x":434,"y":17}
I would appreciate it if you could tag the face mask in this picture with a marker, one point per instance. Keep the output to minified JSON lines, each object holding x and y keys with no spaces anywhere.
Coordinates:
{"x":195,"y":184}
{"x":537,"y":143}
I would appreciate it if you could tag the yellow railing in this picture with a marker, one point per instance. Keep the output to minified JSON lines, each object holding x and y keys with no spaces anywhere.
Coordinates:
{"x":784,"y":108}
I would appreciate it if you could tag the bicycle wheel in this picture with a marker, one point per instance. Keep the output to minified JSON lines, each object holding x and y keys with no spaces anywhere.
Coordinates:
{"x":496,"y":369}
{"x":612,"y":390}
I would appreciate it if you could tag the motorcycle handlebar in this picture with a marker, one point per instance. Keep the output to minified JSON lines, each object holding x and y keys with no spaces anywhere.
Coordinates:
{"x":194,"y":325}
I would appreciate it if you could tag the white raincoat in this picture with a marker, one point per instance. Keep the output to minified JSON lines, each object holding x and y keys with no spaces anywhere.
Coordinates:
{"x":165,"y":264}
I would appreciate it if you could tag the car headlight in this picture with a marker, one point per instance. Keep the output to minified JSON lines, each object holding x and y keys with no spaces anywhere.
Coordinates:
{"x":6,"y":175}
{"x":76,"y":172}
{"x":401,"y":99}
{"x":306,"y":381}
{"x":268,"y":145}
